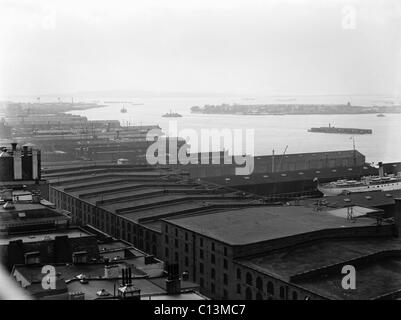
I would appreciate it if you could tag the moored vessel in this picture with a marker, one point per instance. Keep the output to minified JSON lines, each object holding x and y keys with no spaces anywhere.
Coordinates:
{"x":381,"y":182}
{"x":332,"y":129}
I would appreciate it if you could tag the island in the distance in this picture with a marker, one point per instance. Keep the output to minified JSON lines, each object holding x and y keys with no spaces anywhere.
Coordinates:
{"x":282,"y":109}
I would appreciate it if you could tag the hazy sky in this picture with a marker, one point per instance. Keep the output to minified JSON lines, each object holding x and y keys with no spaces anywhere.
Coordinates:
{"x":231,"y":46}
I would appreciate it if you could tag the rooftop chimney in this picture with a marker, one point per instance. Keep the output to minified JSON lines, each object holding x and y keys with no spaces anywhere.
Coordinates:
{"x":127,"y":291}
{"x":111,"y":271}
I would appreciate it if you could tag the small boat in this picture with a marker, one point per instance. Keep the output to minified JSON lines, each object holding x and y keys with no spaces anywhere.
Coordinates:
{"x":380,"y":115}
{"x":123,"y":110}
{"x":172,"y":115}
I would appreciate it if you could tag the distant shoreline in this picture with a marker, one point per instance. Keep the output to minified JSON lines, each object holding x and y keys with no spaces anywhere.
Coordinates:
{"x":293,"y":109}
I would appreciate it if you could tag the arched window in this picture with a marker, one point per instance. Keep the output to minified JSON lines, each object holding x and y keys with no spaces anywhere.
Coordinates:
{"x":282,"y":293}
{"x":249,"y":279}
{"x":259,"y":283}
{"x":259,"y":296}
{"x":294,"y":295}
{"x":270,"y":288}
{"x":248,"y":294}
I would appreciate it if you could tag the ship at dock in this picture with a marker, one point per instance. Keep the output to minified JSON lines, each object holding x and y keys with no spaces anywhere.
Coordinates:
{"x":382,"y":182}
{"x":332,"y":129}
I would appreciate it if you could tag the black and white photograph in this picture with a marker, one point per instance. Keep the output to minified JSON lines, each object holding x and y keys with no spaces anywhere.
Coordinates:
{"x":194,"y":155}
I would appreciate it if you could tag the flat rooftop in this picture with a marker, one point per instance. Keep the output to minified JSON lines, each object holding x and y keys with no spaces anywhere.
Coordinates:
{"x":283,"y":264}
{"x":44,"y":236}
{"x":150,"y":289}
{"x":324,"y":174}
{"x":375,"y":279}
{"x":28,"y":212}
{"x":256,"y":224}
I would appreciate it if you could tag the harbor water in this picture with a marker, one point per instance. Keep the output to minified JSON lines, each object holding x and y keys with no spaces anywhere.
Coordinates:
{"x":270,"y":131}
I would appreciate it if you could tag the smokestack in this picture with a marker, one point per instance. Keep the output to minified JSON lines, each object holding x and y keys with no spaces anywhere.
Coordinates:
{"x":14,"y":146}
{"x":35,"y":166}
{"x":17,"y":164}
{"x":39,"y":160}
{"x":381,"y":169}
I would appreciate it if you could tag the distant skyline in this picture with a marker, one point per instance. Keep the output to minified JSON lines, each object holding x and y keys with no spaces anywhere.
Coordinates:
{"x":236,"y":47}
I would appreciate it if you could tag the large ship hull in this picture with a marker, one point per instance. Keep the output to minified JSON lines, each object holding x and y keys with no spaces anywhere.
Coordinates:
{"x":334,"y":191}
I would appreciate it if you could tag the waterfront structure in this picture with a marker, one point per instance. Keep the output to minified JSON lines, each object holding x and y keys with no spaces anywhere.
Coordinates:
{"x":128,"y":202}
{"x":286,"y":252}
{"x":223,"y":239}
{"x":341,"y":160}
{"x":293,"y":108}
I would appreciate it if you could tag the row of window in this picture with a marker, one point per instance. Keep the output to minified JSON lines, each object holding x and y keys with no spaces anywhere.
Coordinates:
{"x":186,"y":236}
{"x":259,"y":285}
{"x":107,"y":223}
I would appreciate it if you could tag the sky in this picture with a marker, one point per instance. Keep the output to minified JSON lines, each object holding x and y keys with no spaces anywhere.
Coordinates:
{"x":271,"y":47}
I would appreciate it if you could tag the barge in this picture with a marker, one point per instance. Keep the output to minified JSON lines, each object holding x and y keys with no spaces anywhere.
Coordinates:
{"x":332,"y":129}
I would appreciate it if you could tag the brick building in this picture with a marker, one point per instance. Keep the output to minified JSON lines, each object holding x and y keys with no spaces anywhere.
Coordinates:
{"x":128,"y":202}
{"x":281,"y":252}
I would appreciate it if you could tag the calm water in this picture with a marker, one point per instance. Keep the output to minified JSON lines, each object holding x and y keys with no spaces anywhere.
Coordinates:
{"x":271,"y":132}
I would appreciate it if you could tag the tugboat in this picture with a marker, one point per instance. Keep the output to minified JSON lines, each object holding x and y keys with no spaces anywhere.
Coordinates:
{"x":380,"y":115}
{"x":381,"y":182}
{"x":172,"y":115}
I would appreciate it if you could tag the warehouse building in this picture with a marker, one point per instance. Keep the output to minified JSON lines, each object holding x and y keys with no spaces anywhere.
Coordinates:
{"x":284,"y":252}
{"x":128,"y":202}
{"x":279,"y":163}
{"x":229,"y":242}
